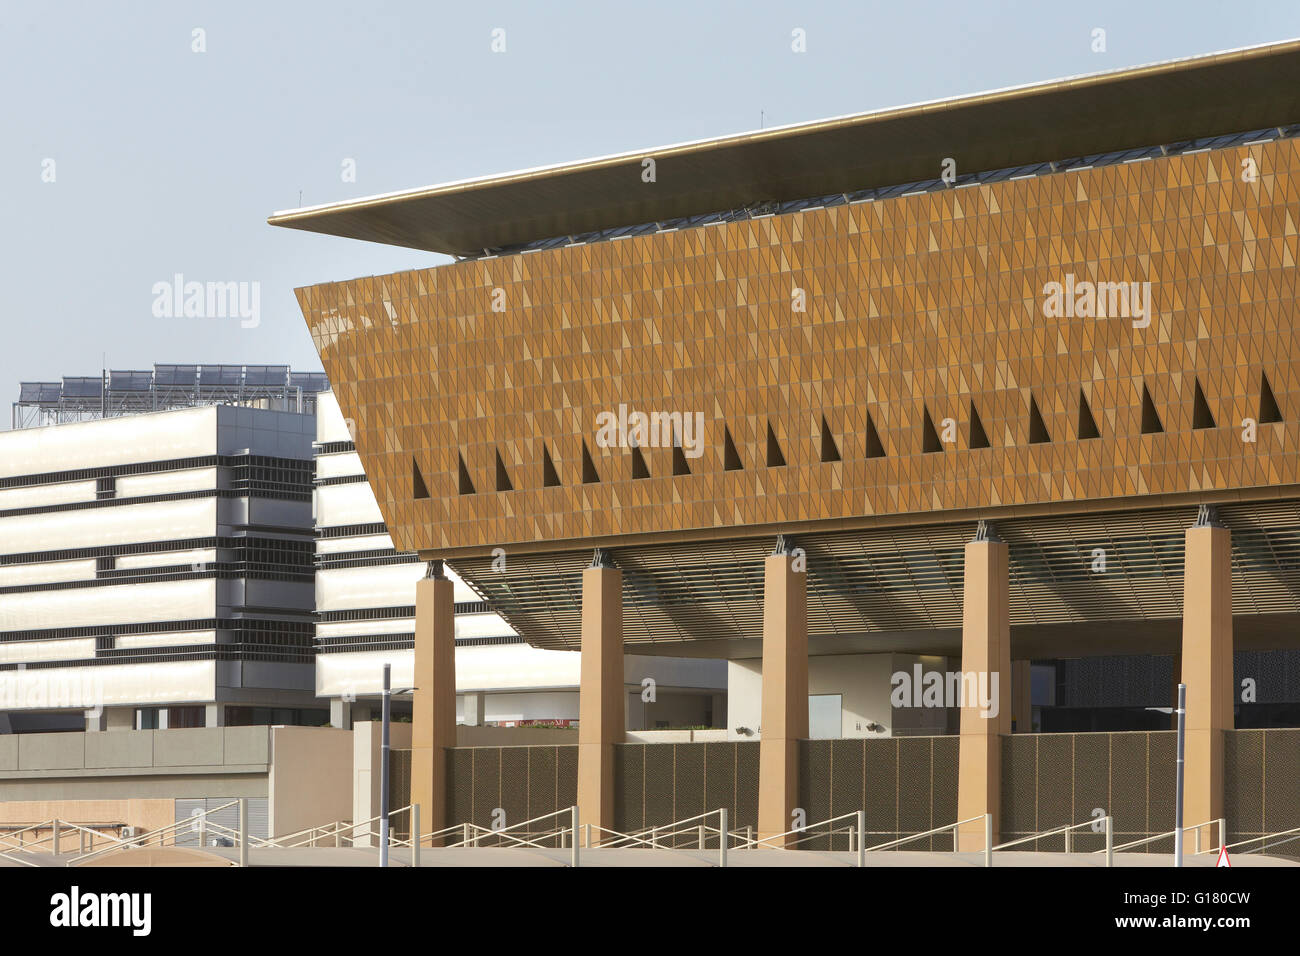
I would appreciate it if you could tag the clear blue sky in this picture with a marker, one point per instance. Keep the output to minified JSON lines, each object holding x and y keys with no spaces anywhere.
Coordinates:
{"x":168,"y":161}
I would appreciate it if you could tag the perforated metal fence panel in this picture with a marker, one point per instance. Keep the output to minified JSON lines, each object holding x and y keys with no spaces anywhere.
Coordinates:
{"x":1261,"y":788}
{"x":657,"y":784}
{"x":502,"y":786}
{"x":399,"y":792}
{"x":906,"y":785}
{"x":1052,"y":780}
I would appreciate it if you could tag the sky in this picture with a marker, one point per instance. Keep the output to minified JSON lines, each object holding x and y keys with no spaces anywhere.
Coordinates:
{"x":141,"y":140}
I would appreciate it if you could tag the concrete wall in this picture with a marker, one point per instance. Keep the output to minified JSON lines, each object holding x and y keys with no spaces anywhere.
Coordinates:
{"x":143,"y":814}
{"x":366,"y":760}
{"x":861,"y":680}
{"x":310,"y":781}
{"x":135,"y":752}
{"x":304,"y":772}
{"x":135,"y":764}
{"x":674,"y":708}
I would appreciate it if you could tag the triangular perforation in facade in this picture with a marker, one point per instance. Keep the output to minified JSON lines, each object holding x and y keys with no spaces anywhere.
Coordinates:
{"x":680,"y":464}
{"x":775,"y":457}
{"x":463,"y":483}
{"x":730,"y":457}
{"x":589,"y":474}
{"x":1202,"y":417}
{"x":419,"y":489}
{"x":1037,"y":427}
{"x":929,"y":437}
{"x":1269,"y":412}
{"x":639,"y":467}
{"x":830,"y":450}
{"x":977,"y":437}
{"x":1151,"y":424}
{"x":503,"y":476}
{"x":1087,"y":424}
{"x":875,"y":448}
{"x":550,"y":477}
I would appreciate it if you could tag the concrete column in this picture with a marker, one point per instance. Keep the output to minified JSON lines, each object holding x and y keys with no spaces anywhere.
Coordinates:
{"x":341,"y":713}
{"x":1206,"y":667}
{"x":1022,"y":698}
{"x":96,"y":720}
{"x":601,"y":694}
{"x":214,"y":715}
{"x":986,"y":665}
{"x":785,"y":692}
{"x":433,"y":714}
{"x":473,"y":704}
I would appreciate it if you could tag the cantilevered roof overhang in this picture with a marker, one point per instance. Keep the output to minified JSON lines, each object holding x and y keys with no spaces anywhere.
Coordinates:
{"x":1171,"y":102}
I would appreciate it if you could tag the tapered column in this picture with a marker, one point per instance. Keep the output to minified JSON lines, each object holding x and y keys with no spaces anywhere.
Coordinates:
{"x":1206,"y":667}
{"x":986,"y":694}
{"x":433,"y":719}
{"x":785,"y":692}
{"x":601,"y":698}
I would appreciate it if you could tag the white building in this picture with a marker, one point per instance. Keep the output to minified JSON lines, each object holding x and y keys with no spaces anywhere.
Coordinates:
{"x":156,"y":570}
{"x":365,"y":617}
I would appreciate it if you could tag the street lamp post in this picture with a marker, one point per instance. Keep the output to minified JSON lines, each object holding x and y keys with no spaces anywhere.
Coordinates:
{"x":384,"y":766}
{"x":1181,"y":712}
{"x":384,"y":754}
{"x":1178,"y":787}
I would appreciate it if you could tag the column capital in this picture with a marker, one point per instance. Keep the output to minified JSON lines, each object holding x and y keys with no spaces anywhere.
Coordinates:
{"x":784,"y":545}
{"x":434,"y":570}
{"x":601,"y":558}
{"x":1207,"y":516}
{"x":985,"y":531}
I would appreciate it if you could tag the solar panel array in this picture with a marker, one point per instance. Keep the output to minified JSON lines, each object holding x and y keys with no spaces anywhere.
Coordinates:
{"x":165,"y":386}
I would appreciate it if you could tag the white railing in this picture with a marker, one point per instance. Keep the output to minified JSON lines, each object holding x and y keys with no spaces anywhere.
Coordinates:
{"x":58,"y":831}
{"x":339,"y":831}
{"x":472,"y":834}
{"x":161,"y":835}
{"x":654,"y":837}
{"x":1108,"y":827}
{"x":1291,"y":835}
{"x":986,"y":819}
{"x":1168,"y":834}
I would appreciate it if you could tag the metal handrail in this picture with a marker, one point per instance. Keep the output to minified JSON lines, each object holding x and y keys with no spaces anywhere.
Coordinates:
{"x":676,"y":828}
{"x":1220,"y":823}
{"x":655,"y":835}
{"x":504,"y":831}
{"x":335,"y":829}
{"x":988,"y":835}
{"x":1108,"y":825}
{"x":1293,"y":833}
{"x":17,"y":859}
{"x":669,"y":830}
{"x":750,"y":844}
{"x":161,"y":833}
{"x":58,"y":827}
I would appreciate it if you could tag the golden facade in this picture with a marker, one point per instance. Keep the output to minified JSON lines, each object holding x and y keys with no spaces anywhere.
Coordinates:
{"x":919,"y":309}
